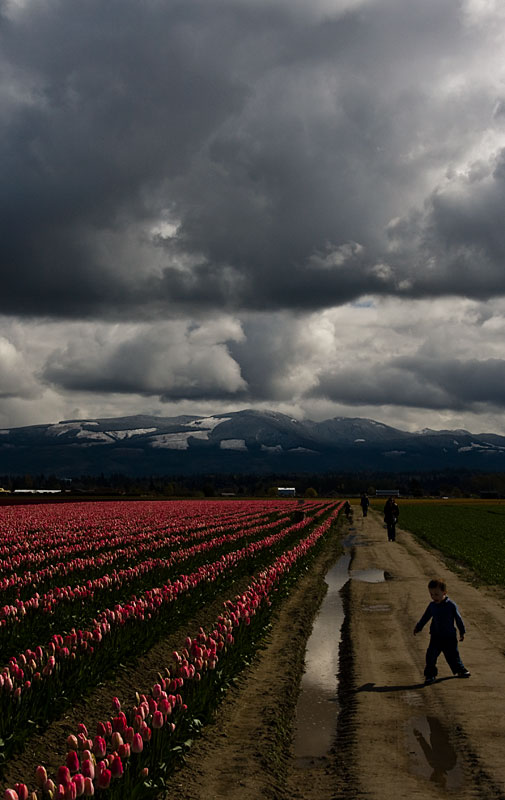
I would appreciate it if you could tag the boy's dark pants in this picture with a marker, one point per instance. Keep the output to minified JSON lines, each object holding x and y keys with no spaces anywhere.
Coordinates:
{"x":448,"y":645}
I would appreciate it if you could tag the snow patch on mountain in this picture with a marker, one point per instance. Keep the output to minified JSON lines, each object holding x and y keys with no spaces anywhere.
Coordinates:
{"x":233,"y":444}
{"x":128,"y":433}
{"x":276,"y":448}
{"x":177,"y":441}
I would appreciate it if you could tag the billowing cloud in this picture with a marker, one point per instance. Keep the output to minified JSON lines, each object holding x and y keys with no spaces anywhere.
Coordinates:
{"x":269,"y":203}
{"x":167,"y":157}
{"x":172,"y":360}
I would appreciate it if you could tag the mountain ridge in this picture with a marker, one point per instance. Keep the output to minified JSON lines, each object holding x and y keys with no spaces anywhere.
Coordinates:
{"x":240,"y":441}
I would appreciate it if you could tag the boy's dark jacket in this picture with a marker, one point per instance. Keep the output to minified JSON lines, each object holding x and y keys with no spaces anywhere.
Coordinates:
{"x":443,"y":617}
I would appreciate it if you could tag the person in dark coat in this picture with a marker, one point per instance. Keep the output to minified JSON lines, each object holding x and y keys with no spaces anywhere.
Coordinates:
{"x":391,"y":514}
{"x":445,"y":618}
{"x":364,"y":502}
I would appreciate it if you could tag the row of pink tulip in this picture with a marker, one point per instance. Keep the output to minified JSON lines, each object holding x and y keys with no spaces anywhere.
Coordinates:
{"x":31,"y":680}
{"x":126,"y":550}
{"x":130,"y":750}
{"x":48,"y":603}
{"x":32,"y":536}
{"x":39,"y":660}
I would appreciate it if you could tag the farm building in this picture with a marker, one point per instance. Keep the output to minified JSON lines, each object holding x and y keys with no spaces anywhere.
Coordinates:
{"x":286,"y":491}
{"x":387,"y":493}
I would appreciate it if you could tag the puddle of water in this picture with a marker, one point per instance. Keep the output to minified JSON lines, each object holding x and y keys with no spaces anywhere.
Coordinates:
{"x":368,"y":575}
{"x":317,"y":709}
{"x":433,"y":757}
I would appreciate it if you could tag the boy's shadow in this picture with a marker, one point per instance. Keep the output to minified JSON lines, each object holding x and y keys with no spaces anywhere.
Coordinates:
{"x":372,"y":687}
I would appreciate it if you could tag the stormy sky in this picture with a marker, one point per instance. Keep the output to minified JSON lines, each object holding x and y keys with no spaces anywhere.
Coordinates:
{"x":210,"y":205}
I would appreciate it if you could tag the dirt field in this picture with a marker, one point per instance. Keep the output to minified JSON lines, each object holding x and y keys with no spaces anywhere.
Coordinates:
{"x":396,"y":737}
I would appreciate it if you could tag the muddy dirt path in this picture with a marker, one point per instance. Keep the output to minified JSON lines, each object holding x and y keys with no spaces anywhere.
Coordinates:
{"x":396,"y":736}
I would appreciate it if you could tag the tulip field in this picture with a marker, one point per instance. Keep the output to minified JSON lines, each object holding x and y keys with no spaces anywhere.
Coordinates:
{"x":87,"y":587}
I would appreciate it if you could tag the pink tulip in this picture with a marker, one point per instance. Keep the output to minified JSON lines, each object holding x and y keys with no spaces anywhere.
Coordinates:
{"x":164,"y":706}
{"x":146,"y":732}
{"x":72,"y":742}
{"x":40,"y":775}
{"x":124,"y":751}
{"x":49,"y":787}
{"x":78,"y":781}
{"x":70,"y":792}
{"x":63,"y":775}
{"x":81,"y":728}
{"x":99,"y":746}
{"x":88,"y":769}
{"x":11,"y":794}
{"x":129,"y":734}
{"x":101,"y":730}
{"x":116,"y":767}
{"x":22,"y":790}
{"x":158,"y":719}
{"x":137,"y":743}
{"x":89,"y":789}
{"x":116,"y":740}
{"x":104,"y":779}
{"x":116,"y":705}
{"x":72,"y":761}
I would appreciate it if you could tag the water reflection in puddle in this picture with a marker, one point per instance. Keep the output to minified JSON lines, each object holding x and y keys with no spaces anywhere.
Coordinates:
{"x":368,"y":575}
{"x":433,"y":756}
{"x":317,"y":708}
{"x":316,"y":711}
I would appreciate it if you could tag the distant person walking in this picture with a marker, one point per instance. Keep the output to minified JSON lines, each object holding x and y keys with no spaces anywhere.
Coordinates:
{"x":364,"y":503}
{"x":445,"y":617}
{"x":391,"y":514}
{"x":347,"y":509}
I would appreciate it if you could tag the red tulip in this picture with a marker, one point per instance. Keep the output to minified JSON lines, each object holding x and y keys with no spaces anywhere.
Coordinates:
{"x":63,"y":775}
{"x":116,"y":767}
{"x":88,"y":769}
{"x":72,"y":761}
{"x":124,"y":751}
{"x":78,"y":781}
{"x":99,"y":747}
{"x":104,"y":779}
{"x":137,"y":743}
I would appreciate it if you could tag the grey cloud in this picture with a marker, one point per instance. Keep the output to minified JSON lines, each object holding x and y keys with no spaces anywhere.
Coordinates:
{"x":270,"y":136}
{"x":419,"y":382}
{"x":172,"y":362}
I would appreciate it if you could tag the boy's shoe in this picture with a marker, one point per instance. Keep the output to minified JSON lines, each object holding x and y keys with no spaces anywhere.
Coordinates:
{"x":463,"y":674}
{"x":427,"y":681}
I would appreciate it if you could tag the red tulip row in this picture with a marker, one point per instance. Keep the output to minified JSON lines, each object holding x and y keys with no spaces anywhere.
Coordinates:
{"x":135,"y":749}
{"x":127,"y":553}
{"x":22,"y":619}
{"x":35,"y":537}
{"x":32,"y":680}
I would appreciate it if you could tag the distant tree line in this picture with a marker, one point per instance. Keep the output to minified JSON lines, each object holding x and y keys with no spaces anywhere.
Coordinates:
{"x":426,"y":484}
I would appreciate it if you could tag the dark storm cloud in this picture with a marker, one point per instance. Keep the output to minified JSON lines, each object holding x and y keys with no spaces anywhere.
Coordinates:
{"x":279,"y":140}
{"x":418,"y":382}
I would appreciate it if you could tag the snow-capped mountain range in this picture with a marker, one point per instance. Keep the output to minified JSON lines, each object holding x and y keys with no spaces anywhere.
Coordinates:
{"x":244,"y":441}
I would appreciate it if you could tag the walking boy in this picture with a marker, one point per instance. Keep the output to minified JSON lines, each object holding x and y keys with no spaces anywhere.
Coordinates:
{"x":444,"y":615}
